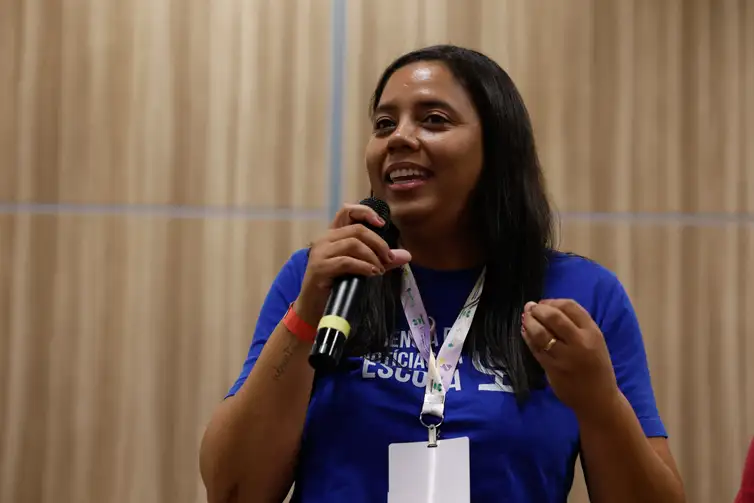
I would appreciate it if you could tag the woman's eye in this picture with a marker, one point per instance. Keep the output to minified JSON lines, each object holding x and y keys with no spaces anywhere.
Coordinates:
{"x":436,"y":119}
{"x":382,"y":124}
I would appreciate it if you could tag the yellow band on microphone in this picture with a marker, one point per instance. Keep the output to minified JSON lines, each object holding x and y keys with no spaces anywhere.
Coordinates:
{"x":336,"y":322}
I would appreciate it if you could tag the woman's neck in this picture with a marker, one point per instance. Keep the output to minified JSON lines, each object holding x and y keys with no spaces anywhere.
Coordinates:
{"x":442,"y":251}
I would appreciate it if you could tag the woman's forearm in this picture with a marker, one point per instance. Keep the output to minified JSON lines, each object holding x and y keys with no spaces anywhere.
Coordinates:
{"x":620,"y":463}
{"x":251,"y":444}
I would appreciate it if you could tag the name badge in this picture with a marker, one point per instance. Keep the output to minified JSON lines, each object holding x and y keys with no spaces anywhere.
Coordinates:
{"x":422,"y":474}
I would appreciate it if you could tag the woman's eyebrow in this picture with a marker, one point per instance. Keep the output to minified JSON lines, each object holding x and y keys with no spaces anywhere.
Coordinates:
{"x":390,"y":107}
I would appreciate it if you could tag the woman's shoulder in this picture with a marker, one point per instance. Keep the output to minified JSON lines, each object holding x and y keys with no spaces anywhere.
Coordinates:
{"x":571,"y":267}
{"x":585,"y":280}
{"x":299,"y":258}
{"x":291,"y":274}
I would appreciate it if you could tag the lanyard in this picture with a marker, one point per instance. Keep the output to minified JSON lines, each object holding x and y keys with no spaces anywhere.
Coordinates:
{"x":440,"y":369}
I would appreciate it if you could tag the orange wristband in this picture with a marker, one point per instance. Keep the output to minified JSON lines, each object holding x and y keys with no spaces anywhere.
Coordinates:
{"x":299,"y":327}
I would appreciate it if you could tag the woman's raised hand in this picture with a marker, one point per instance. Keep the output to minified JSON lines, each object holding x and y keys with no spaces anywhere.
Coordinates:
{"x":348,"y":247}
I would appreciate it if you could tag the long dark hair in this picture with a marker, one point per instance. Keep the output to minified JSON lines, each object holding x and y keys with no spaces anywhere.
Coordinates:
{"x":515,"y":224}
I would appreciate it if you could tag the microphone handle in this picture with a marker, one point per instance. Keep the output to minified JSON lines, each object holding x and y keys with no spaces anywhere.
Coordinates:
{"x":335,"y":326}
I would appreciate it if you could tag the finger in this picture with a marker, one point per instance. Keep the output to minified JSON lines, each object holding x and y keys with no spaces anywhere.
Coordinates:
{"x":573,"y":310}
{"x":538,"y":338}
{"x":368,"y":237}
{"x":400,"y":257}
{"x":343,"y":264}
{"x":353,"y":213}
{"x":555,"y":321}
{"x":354,"y":247}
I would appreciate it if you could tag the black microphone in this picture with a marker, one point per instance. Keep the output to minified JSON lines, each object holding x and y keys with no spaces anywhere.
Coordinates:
{"x":335,"y":326}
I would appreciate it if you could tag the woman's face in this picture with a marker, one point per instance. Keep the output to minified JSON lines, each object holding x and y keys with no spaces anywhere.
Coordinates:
{"x":425,"y":154}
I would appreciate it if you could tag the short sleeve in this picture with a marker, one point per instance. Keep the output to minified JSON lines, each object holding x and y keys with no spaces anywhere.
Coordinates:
{"x":283,"y":291}
{"x":620,"y":326}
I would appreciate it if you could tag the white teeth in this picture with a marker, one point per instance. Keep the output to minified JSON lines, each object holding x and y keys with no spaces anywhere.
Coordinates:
{"x":401,"y":173}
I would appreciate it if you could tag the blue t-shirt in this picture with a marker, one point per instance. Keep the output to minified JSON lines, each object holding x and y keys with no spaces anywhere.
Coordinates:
{"x":517,"y":454}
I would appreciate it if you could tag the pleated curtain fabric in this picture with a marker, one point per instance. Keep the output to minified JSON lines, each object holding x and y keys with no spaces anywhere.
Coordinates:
{"x":160,"y":160}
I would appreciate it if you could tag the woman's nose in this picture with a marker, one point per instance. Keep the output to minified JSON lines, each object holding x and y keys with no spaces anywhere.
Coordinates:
{"x":403,"y":137}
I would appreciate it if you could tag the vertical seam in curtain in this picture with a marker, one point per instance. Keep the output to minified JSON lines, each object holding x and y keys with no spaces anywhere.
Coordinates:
{"x":337,"y":76}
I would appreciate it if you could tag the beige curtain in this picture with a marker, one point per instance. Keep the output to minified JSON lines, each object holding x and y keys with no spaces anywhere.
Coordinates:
{"x":159,"y":160}
{"x":124,"y":317}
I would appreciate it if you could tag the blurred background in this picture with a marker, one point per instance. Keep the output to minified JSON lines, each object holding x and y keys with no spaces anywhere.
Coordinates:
{"x":160,"y":160}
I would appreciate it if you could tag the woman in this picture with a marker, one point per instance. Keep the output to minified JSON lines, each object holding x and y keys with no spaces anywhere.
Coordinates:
{"x":553,"y":363}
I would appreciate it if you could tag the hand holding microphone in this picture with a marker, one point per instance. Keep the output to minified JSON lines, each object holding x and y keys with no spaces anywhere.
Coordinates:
{"x":353,"y":249}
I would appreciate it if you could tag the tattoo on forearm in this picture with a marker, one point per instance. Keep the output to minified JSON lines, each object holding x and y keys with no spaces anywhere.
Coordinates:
{"x":281,"y":367}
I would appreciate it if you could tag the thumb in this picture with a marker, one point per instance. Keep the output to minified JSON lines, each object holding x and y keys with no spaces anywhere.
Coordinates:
{"x":400,"y":257}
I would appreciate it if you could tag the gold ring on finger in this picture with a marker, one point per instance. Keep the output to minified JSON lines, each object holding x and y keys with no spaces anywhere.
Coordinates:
{"x":550,"y":344}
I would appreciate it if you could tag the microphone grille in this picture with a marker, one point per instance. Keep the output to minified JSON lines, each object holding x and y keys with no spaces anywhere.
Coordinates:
{"x":388,"y":232}
{"x":379,"y":206}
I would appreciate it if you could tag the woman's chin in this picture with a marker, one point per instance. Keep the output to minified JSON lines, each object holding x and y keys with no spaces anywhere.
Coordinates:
{"x":409,"y":213}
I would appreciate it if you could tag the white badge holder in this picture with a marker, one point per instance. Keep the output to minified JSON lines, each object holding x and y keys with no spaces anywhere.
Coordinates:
{"x":419,"y":473}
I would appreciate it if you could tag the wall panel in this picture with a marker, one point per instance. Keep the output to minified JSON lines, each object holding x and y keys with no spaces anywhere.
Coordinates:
{"x":120,"y":334}
{"x":165,"y":102}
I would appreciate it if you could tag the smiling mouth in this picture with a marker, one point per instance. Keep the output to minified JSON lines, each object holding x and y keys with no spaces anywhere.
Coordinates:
{"x":406,"y":176}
